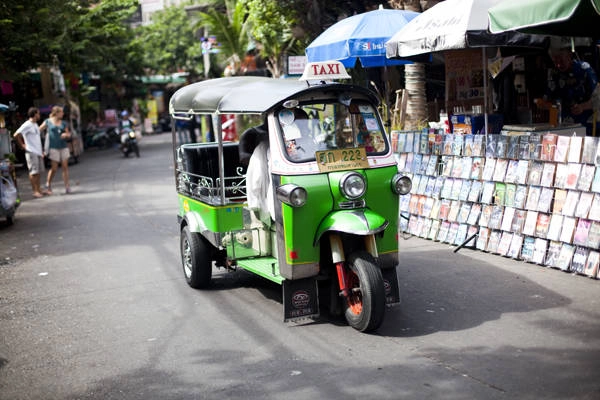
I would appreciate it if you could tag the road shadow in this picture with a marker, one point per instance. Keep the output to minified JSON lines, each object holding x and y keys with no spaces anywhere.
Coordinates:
{"x":443,"y":291}
{"x":452,"y":292}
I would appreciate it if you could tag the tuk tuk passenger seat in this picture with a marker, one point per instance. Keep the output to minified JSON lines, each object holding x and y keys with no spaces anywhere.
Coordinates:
{"x":200,"y":164}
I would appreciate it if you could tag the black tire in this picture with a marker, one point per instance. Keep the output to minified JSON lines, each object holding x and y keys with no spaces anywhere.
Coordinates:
{"x":196,"y":259}
{"x":136,"y":149}
{"x":364,"y":308}
{"x":10,"y":220}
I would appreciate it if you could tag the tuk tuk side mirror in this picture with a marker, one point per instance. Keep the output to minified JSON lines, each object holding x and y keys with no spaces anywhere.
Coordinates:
{"x":291,"y":103}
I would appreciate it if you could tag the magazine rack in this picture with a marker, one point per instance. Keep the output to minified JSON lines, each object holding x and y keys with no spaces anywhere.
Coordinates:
{"x":533,"y":197}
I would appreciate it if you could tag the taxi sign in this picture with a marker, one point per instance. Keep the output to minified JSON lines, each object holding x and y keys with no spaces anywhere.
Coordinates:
{"x":325,"y":70}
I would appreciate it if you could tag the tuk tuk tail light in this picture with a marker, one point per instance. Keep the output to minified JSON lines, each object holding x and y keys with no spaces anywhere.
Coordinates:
{"x":401,"y":184}
{"x":292,"y":195}
{"x":353,"y":185}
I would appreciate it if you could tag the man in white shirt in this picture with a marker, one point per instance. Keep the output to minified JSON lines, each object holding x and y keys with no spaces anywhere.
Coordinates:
{"x":29,"y":139}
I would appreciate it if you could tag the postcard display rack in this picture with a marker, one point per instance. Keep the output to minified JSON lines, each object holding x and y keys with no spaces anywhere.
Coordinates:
{"x":533,"y":197}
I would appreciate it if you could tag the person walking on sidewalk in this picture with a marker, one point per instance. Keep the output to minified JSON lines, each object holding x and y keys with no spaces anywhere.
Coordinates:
{"x":56,"y":146}
{"x":29,"y":139}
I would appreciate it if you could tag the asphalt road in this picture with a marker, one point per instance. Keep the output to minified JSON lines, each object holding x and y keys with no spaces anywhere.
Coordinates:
{"x":93,"y":305}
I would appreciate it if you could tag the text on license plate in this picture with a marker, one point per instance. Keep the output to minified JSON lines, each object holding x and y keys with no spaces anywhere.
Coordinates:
{"x":342,"y":159}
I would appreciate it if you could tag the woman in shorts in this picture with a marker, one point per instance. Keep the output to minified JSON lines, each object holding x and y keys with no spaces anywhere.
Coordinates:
{"x":56,"y":147}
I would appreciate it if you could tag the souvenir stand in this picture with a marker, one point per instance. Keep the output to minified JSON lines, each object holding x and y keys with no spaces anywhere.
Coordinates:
{"x":528,"y":192}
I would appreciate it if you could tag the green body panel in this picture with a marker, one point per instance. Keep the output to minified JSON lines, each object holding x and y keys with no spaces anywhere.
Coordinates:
{"x":381,"y":199}
{"x":212,"y":218}
{"x":300,"y":224}
{"x":303,"y":226}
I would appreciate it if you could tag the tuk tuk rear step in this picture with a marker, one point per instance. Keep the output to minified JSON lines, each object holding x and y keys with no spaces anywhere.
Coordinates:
{"x":267,"y":267}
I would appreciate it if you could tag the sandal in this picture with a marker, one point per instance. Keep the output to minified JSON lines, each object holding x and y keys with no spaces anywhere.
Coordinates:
{"x":68,"y":190}
{"x":38,"y":195}
{"x":48,"y":190}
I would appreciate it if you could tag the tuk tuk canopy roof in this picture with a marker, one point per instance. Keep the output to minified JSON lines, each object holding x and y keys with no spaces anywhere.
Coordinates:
{"x":245,"y":94}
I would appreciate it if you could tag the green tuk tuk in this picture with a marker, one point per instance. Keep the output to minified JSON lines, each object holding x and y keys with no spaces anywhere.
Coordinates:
{"x":315,"y":209}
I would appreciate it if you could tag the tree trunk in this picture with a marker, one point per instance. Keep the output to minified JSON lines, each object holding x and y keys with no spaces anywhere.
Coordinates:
{"x":416,"y":105}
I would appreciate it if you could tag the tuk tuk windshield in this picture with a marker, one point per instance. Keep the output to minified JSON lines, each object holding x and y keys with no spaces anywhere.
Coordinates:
{"x":309,"y":128}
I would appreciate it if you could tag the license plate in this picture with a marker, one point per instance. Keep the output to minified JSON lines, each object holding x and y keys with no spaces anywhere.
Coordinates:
{"x":342,"y":159}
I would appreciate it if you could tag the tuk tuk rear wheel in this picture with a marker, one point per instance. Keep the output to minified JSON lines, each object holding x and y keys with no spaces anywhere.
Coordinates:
{"x":364,"y":307}
{"x":195,"y":259}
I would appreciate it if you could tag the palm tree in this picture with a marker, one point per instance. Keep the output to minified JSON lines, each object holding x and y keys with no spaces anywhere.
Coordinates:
{"x":274,"y":28}
{"x":230,"y":28}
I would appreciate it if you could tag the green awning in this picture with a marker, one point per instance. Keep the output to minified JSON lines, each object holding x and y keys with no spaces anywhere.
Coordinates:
{"x":163,"y":79}
{"x":549,"y":17}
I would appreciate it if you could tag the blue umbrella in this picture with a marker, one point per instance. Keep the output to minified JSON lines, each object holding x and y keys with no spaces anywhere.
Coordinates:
{"x":360,"y":37}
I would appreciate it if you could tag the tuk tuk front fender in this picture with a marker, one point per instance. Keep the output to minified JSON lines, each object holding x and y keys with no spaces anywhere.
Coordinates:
{"x":361,"y":222}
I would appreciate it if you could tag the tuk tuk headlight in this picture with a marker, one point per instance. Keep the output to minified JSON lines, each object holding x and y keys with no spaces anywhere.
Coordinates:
{"x":132,"y":134}
{"x":353,"y":185}
{"x":292,"y":195}
{"x":401,"y":184}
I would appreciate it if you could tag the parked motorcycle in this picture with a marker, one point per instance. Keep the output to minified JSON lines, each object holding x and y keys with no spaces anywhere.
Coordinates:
{"x":9,"y":195}
{"x":129,"y":143}
{"x":98,"y":137}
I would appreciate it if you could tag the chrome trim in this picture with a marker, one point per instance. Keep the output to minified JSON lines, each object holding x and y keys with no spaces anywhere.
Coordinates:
{"x":351,"y":205}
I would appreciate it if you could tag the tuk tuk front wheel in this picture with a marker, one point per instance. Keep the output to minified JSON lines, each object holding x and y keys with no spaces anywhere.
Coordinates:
{"x":364,"y":307}
{"x":196,"y":259}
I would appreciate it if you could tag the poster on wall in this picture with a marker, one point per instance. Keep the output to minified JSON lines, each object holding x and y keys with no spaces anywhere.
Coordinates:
{"x":159,"y":97}
{"x":110,"y":117}
{"x":296,"y":65}
{"x":152,"y":106}
{"x":464,"y":77}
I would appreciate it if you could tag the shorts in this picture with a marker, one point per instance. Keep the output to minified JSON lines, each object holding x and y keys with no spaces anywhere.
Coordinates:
{"x":59,"y":155}
{"x":35,"y":163}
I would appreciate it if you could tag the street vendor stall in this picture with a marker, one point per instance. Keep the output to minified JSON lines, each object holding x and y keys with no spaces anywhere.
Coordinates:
{"x":571,"y":19}
{"x":457,"y":25}
{"x":530,"y":192}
